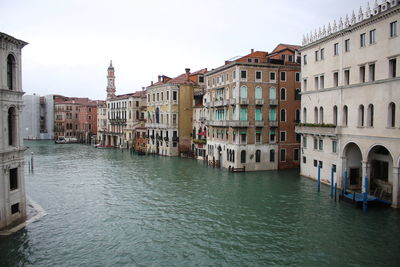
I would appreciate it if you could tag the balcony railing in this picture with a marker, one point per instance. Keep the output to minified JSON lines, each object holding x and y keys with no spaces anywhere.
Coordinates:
{"x":200,"y":141}
{"x":218,"y":123}
{"x":118,"y":121}
{"x":259,"y":123}
{"x":273,"y":102}
{"x":238,"y":123}
{"x":273,"y":123}
{"x":320,"y":129}
{"x":244,"y":101}
{"x":259,"y":102}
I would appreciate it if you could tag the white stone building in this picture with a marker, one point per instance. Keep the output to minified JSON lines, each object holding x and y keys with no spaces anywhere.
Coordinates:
{"x":12,"y":182}
{"x":38,"y":117}
{"x":351,"y":100}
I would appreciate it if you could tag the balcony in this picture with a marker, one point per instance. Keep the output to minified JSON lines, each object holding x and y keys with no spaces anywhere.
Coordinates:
{"x":199,"y":141}
{"x":218,"y":123}
{"x":317,"y":129}
{"x":244,"y":101}
{"x":118,"y":121}
{"x":259,"y":123}
{"x":227,"y":102}
{"x":273,"y":102}
{"x":259,"y":102}
{"x":238,"y":123}
{"x":218,"y":103}
{"x":273,"y":123}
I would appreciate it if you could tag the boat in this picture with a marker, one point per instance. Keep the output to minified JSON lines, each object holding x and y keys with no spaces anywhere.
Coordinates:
{"x":60,"y":140}
{"x":102,"y":146}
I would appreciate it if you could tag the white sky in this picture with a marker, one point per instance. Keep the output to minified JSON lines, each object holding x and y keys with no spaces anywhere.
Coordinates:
{"x":72,"y":41}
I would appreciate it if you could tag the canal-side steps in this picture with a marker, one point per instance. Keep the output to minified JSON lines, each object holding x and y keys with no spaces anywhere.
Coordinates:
{"x":38,"y":212}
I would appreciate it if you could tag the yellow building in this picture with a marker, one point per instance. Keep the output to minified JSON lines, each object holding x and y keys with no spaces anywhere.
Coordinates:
{"x":169,"y":114}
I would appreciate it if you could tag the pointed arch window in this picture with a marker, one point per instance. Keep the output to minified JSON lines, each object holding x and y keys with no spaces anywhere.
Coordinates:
{"x":283,"y":94}
{"x":258,"y":155}
{"x":370,"y":115}
{"x":361,"y":116}
{"x":258,"y":92}
{"x":12,"y":129}
{"x":243,"y":156}
{"x":321,"y":115}
{"x":345,"y":115}
{"x":243,"y":92}
{"x":315,"y":115}
{"x":11,"y":72}
{"x":304,"y":115}
{"x":392,"y":115}
{"x":335,"y":114}
{"x":272,"y":93}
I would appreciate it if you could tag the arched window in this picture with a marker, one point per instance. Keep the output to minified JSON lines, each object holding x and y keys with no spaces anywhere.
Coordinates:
{"x":335,"y":115}
{"x":243,"y":156}
{"x":243,"y":92}
{"x":283,"y":115}
{"x":392,"y":115}
{"x":258,"y":155}
{"x":370,"y":115}
{"x":283,"y":94}
{"x":304,"y":115}
{"x":10,"y":72}
{"x":297,"y":95}
{"x":315,"y":115}
{"x":234,"y":92}
{"x":321,"y":115}
{"x":272,"y":155}
{"x":258,"y":92}
{"x":297,"y":116}
{"x":227,"y":93}
{"x":12,"y":129}
{"x":345,"y":115}
{"x":361,"y":116}
{"x":272,"y":93}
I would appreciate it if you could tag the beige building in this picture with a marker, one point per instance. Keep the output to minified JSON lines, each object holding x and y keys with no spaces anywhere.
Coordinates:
{"x":12,"y":181}
{"x":350,"y":102}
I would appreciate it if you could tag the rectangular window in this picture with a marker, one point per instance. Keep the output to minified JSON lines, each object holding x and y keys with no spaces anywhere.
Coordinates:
{"x":234,"y":74}
{"x":316,"y":83}
{"x":362,"y":40}
{"x":258,"y":137}
{"x":392,"y":68}
{"x":243,"y":114}
{"x":283,"y":57}
{"x":316,"y":55}
{"x":174,"y":95}
{"x":258,"y":75}
{"x":315,"y":143}
{"x":243,"y":74}
{"x":336,"y":49}
{"x":258,"y":114}
{"x":249,"y":60}
{"x":13,"y":179}
{"x":290,"y":58}
{"x":334,"y":167}
{"x":347,"y":45}
{"x":305,"y":141}
{"x":347,"y":77}
{"x":304,"y":160}
{"x":272,"y":136}
{"x":201,"y":79}
{"x":336,"y":79}
{"x":283,"y":76}
{"x":305,"y":59}
{"x":322,"y":82}
{"x":315,"y":163}
{"x":305,"y":84}
{"x":393,"y":29}
{"x":15,"y":208}
{"x":334,"y":146}
{"x":296,"y":154}
{"x":372,"y":72}
{"x":272,"y":76}
{"x":321,"y":144}
{"x":167,"y":95}
{"x":243,"y":138}
{"x":272,"y":155}
{"x":320,"y":164}
{"x":297,"y":76}
{"x":283,"y":136}
{"x":322,"y":53}
{"x":372,"y":37}
{"x":362,"y":74}
{"x":283,"y":155}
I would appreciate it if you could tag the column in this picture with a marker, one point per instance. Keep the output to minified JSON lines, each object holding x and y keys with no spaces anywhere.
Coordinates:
{"x":340,"y":172}
{"x":396,"y":188}
{"x":365,"y":172}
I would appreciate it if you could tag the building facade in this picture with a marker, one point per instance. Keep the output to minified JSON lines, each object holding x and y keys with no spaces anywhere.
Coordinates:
{"x":350,"y":102}
{"x":252,"y":107}
{"x":12,"y":181}
{"x":38,"y":117}
{"x":169,"y":114}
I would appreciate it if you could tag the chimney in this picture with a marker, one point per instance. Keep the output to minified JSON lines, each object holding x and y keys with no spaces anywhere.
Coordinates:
{"x":159,"y":78}
{"x":252,"y":51}
{"x":151,"y":82}
{"x":187,"y":70}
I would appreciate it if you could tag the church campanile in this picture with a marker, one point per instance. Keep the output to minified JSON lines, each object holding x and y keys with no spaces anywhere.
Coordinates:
{"x":110,"y":81}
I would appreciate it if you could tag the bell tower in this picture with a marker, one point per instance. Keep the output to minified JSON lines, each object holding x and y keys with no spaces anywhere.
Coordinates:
{"x":110,"y":81}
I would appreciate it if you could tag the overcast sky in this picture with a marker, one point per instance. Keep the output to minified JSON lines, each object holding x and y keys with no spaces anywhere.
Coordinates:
{"x":72,"y":41}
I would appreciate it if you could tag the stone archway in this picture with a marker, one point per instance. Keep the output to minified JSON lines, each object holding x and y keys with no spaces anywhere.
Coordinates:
{"x":353,"y":163}
{"x":380,"y":172}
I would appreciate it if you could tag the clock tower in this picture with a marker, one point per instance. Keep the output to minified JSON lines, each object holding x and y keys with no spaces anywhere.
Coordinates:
{"x":110,"y":81}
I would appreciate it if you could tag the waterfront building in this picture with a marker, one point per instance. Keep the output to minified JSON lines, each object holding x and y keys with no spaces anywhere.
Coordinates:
{"x":38,"y":117}
{"x":253,"y":103}
{"x":12,"y":181}
{"x":350,"y":102}
{"x":199,"y":127}
{"x":135,"y":117}
{"x":169,"y":114}
{"x":87,"y":128}
{"x":101,"y":121}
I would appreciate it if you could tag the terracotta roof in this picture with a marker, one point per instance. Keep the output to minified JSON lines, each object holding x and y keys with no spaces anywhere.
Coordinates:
{"x":202,"y":71}
{"x":280,"y":47}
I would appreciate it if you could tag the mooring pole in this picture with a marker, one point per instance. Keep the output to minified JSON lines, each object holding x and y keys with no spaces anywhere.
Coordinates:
{"x":365,"y":195}
{"x":332,"y":182}
{"x":345,"y":181}
{"x":32,"y":161}
{"x":319,"y":177}
{"x":335,"y":191}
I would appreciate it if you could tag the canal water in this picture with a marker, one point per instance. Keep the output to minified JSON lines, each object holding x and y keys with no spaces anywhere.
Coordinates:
{"x":109,"y":208}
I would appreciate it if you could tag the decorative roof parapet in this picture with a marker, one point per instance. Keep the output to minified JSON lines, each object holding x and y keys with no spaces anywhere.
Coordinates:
{"x":326,"y":31}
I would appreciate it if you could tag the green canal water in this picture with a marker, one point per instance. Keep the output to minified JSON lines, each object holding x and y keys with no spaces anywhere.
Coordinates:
{"x":111,"y":208}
